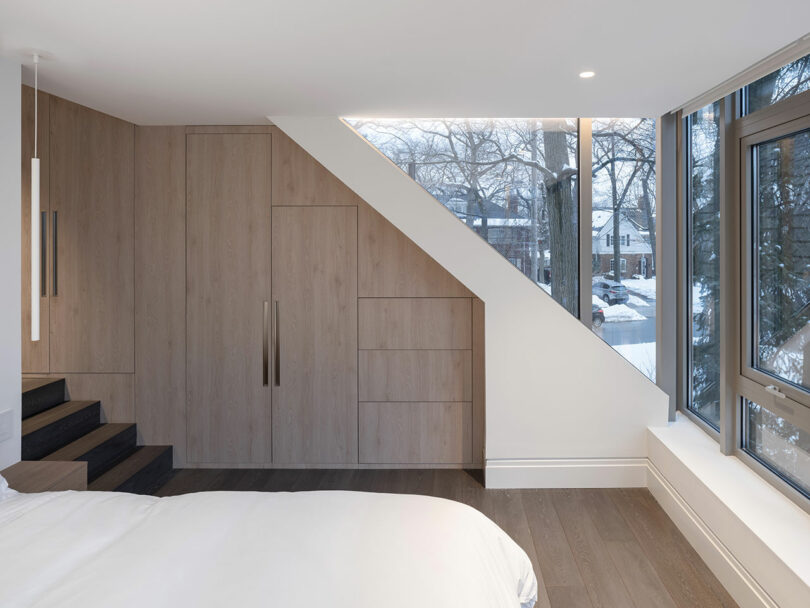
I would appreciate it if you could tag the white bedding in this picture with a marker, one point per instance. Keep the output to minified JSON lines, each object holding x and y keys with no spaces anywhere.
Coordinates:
{"x":336,"y":549}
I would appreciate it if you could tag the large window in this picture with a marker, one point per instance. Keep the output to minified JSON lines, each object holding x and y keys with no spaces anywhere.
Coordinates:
{"x":623,"y":227}
{"x":703,"y":220}
{"x":780,"y":170}
{"x":514,"y":182}
{"x":743,"y":268}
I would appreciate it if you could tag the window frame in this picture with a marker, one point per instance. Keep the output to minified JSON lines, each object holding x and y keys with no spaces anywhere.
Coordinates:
{"x":685,"y":236}
{"x":739,"y":381}
{"x":779,"y":126}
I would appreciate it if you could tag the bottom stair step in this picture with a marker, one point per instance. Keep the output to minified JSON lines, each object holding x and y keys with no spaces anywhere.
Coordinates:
{"x":143,"y":472}
{"x":102,"y":448}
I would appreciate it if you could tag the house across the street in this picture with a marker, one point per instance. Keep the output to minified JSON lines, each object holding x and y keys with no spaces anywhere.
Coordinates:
{"x":634,"y":244}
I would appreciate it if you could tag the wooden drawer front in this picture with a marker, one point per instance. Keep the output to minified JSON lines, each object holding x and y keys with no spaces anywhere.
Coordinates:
{"x":415,"y":375}
{"x":416,"y":433}
{"x":418,"y":323}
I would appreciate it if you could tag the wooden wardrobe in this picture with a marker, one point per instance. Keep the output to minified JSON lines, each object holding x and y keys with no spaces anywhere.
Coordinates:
{"x":222,"y":289}
{"x":87,"y":288}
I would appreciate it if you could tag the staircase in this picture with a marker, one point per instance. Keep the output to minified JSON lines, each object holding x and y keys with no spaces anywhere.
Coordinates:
{"x":56,"y":429}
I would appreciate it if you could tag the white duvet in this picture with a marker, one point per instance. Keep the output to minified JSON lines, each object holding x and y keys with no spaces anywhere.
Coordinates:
{"x":336,"y":549}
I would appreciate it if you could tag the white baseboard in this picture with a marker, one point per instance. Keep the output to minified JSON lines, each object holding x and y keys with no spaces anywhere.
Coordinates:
{"x":732,"y":575}
{"x":567,"y":473}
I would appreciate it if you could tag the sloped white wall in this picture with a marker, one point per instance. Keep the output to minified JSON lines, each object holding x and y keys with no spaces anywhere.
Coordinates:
{"x":10,"y":321}
{"x":555,"y":391}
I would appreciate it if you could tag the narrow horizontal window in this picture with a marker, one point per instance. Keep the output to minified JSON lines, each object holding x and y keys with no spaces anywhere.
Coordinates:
{"x":789,"y":80}
{"x":781,"y":446}
{"x":512,"y":181}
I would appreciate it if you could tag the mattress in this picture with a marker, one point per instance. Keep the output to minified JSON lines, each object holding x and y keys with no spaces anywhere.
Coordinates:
{"x":337,"y":549}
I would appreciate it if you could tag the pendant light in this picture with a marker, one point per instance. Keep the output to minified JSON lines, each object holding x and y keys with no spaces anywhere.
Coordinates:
{"x":36,"y":228}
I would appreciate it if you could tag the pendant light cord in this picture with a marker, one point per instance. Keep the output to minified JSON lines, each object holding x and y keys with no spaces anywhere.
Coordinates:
{"x":36,"y":96}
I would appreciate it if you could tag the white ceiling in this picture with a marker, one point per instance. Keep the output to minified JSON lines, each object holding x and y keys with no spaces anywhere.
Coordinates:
{"x":237,"y":61}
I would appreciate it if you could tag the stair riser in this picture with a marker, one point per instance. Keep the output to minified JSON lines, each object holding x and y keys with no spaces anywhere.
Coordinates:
{"x":48,"y":439}
{"x":105,"y":456}
{"x":43,"y":398}
{"x":150,"y":478}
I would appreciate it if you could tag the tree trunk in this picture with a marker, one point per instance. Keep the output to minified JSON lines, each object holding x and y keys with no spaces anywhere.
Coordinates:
{"x":647,"y":208}
{"x":562,"y":224}
{"x":534,"y":250}
{"x":617,"y":222}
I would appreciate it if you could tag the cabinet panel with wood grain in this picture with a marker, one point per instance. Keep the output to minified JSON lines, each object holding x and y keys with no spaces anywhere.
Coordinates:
{"x":228,"y":286}
{"x":160,"y":287}
{"x":415,"y":375}
{"x":314,"y":335}
{"x":91,"y":235}
{"x":415,"y":323}
{"x":416,"y":433}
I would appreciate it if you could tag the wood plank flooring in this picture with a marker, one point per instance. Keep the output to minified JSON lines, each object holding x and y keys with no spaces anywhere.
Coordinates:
{"x":611,"y":548}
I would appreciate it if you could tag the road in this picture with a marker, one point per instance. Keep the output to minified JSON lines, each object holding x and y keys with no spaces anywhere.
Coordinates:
{"x":631,"y":332}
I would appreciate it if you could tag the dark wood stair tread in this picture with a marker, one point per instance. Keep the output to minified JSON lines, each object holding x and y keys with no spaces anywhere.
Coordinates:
{"x":32,"y":384}
{"x":92,"y":440}
{"x":125,"y":470}
{"x":54,"y":414}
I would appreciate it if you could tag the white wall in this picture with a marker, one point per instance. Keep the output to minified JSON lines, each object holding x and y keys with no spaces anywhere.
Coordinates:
{"x":561,"y":404}
{"x":10,"y":366}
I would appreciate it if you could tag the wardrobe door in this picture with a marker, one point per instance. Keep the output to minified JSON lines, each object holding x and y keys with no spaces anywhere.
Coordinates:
{"x":228,"y":293}
{"x":315,"y":335}
{"x":91,"y":238}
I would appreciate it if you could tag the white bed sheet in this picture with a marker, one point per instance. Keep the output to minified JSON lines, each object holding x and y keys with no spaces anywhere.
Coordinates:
{"x":337,"y":549}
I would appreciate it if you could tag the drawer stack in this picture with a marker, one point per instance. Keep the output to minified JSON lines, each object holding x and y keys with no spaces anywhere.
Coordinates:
{"x":416,"y":381}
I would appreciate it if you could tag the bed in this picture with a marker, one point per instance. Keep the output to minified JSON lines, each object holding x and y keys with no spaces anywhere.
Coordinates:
{"x":336,"y":549}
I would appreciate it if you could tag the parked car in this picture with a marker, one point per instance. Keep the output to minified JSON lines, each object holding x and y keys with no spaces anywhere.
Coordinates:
{"x":611,"y":292}
{"x":597,"y":316}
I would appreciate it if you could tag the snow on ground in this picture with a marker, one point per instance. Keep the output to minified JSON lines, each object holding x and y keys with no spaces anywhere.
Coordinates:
{"x":544,"y":287}
{"x":599,"y":302}
{"x":620,"y":313}
{"x":640,"y":355}
{"x":644,"y":287}
{"x":636,"y":301}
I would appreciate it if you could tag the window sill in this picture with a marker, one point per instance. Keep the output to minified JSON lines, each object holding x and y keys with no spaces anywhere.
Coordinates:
{"x":752,"y":537}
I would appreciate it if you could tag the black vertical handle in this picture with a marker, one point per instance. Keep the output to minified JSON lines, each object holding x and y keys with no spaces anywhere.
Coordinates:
{"x":265,"y":347}
{"x":276,"y":348}
{"x":43,"y":254}
{"x":55,"y":237}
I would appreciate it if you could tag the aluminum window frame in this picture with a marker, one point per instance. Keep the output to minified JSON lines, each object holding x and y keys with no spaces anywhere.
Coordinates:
{"x":739,"y":380}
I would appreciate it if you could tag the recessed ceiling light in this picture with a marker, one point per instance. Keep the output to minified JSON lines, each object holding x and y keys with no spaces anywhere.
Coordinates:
{"x":587,"y":74}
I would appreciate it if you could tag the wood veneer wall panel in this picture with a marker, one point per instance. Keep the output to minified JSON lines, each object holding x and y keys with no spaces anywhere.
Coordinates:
{"x":415,"y":375}
{"x":415,"y":323}
{"x":391,"y":265}
{"x":228,"y":281}
{"x":315,"y":286}
{"x":479,"y":381}
{"x":417,"y":433}
{"x":92,"y":182}
{"x":298,"y":179}
{"x":115,"y":391}
{"x":160,"y":287}
{"x":35,"y":355}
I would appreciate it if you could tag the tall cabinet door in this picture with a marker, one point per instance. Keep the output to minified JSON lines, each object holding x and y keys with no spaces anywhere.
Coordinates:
{"x":228,"y":293}
{"x":91,"y":239}
{"x":315,"y":335}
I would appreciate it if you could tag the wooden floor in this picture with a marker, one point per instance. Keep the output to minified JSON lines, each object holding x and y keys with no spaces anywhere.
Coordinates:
{"x":612,"y":548}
